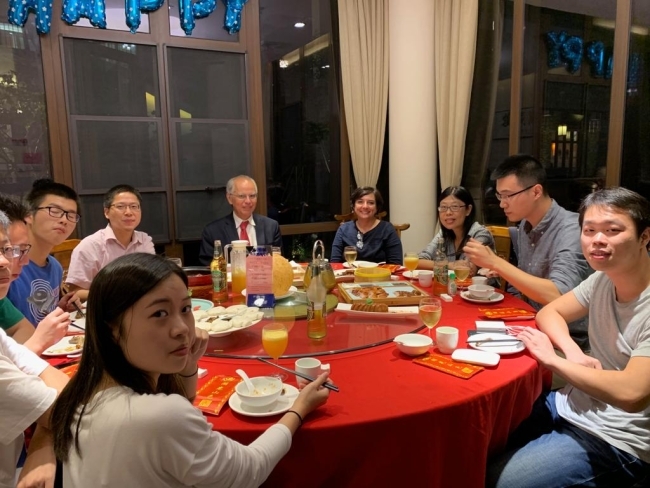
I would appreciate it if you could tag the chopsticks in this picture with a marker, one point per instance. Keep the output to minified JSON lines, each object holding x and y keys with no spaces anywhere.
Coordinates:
{"x":483,"y":341}
{"x":72,"y":324}
{"x":329,"y":386}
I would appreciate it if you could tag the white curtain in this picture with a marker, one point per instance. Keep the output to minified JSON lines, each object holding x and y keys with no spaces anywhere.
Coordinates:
{"x":363,"y":26}
{"x":455,"y":24}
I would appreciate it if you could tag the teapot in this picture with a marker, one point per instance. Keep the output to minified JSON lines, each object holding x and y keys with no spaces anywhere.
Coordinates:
{"x":320,"y":266}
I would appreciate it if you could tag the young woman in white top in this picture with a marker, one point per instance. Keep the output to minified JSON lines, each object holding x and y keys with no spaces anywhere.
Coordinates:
{"x":126,"y":418}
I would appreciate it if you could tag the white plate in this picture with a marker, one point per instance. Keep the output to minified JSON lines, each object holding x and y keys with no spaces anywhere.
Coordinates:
{"x":361,"y":264}
{"x":411,"y":274}
{"x":63,"y":347}
{"x":283,"y":404}
{"x":292,"y":289}
{"x":498,"y":347}
{"x":80,"y":324}
{"x":393,"y":312}
{"x":495,"y":298}
{"x":226,"y":332}
{"x":202,"y":304}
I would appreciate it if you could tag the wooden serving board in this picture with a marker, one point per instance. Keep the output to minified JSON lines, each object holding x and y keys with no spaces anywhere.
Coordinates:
{"x":388,"y":292}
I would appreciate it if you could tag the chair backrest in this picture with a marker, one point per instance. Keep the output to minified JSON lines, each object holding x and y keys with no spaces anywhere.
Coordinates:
{"x":501,"y":243}
{"x":63,"y":252}
{"x":352,"y":216}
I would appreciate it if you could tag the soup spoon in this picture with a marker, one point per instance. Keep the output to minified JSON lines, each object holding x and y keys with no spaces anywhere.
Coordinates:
{"x":247,"y":380}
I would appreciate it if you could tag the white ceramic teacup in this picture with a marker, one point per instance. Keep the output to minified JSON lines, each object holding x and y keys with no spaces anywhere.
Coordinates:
{"x":311,"y":367}
{"x":425,"y":277}
{"x":479,"y":280}
{"x":446,"y":339}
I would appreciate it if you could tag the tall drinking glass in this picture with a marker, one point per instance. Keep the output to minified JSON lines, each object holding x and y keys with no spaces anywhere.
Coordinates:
{"x":275,"y":338}
{"x":350,"y":254}
{"x":411,"y":262}
{"x":430,"y":309}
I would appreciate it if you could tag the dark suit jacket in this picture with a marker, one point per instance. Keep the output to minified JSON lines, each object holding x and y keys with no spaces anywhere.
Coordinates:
{"x":267,"y":232}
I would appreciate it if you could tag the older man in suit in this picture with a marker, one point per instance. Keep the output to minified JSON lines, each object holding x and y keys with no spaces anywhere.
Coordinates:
{"x":242,"y":223}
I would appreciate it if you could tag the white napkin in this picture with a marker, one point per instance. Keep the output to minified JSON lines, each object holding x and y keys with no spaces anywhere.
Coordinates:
{"x":491,"y":325}
{"x":202,"y":372}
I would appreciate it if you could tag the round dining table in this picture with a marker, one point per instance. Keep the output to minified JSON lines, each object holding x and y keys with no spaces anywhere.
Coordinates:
{"x":393,"y":422}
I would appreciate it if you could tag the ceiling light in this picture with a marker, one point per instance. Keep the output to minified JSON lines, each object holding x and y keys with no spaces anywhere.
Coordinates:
{"x":299,"y":25}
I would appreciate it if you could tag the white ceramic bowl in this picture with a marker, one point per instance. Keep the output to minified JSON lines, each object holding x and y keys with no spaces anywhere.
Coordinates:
{"x":481,"y":291}
{"x":413,"y":344}
{"x":267,"y":390}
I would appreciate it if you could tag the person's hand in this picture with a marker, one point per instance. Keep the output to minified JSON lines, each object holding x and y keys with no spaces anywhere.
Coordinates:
{"x":66,"y":302}
{"x":538,"y":344}
{"x":480,"y":254}
{"x":312,"y":396}
{"x":50,"y":330}
{"x":39,"y":470}
{"x":198,"y":344}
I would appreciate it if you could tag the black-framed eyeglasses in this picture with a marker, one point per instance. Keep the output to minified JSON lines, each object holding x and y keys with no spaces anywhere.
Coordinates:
{"x":505,"y":198}
{"x":453,"y":208}
{"x":12,"y":252}
{"x":242,"y":196}
{"x":121,"y":207}
{"x":57,"y":213}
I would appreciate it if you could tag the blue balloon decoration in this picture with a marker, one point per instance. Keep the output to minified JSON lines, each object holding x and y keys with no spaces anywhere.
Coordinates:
{"x":190,"y":11}
{"x":19,"y":10}
{"x":610,"y":67}
{"x":596,"y":57}
{"x":232,"y":22}
{"x":93,"y":10}
{"x":572,"y":53}
{"x":133,"y":8}
{"x":554,"y":41}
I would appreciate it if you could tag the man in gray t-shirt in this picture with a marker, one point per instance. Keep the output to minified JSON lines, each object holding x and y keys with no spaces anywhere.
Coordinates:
{"x":595,"y":430}
{"x":546,"y":241}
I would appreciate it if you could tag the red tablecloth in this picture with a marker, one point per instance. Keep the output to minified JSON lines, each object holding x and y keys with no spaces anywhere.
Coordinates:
{"x":395,"y":422}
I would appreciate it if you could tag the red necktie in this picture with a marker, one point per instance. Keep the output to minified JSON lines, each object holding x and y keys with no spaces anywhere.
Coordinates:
{"x":243,"y":235}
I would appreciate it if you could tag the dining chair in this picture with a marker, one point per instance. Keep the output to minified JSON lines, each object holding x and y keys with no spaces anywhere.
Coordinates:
{"x":352,"y":216}
{"x":63,"y":253}
{"x":502,"y":244}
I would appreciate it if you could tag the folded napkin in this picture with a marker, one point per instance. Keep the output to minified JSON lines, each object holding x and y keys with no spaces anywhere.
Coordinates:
{"x":212,"y":396}
{"x":448,"y":365}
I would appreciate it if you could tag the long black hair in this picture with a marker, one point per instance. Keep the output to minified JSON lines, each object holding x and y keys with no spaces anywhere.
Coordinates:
{"x":461,"y":193}
{"x":115,"y":289}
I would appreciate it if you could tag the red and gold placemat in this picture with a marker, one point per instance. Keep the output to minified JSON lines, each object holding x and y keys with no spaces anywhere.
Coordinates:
{"x":212,"y":396}
{"x":70,"y":370}
{"x":448,"y":365}
{"x":506,"y":313}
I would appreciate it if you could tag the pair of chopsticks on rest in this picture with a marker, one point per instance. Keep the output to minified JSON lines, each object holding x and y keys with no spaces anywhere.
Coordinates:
{"x":329,"y":386}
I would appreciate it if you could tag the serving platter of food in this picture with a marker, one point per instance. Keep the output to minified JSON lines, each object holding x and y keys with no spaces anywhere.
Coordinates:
{"x":372,"y":310}
{"x":387,"y":292}
{"x":221,"y":321}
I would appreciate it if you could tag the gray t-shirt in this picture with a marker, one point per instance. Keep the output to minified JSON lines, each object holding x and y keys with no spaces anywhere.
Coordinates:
{"x":617,"y":332}
{"x":552,"y":250}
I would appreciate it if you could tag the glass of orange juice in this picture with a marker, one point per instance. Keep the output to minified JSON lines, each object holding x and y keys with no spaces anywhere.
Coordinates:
{"x":275,"y":338}
{"x":411,"y":262}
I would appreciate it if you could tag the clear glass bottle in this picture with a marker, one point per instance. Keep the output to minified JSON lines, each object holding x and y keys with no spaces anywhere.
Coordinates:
{"x":440,"y":271}
{"x":219,"y":274}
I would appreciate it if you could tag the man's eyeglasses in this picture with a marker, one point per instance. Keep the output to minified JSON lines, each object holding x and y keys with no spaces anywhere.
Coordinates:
{"x":453,"y":208}
{"x":505,"y":198}
{"x":57,"y":213}
{"x":252,"y":196}
{"x":12,"y":252}
{"x":121,"y":207}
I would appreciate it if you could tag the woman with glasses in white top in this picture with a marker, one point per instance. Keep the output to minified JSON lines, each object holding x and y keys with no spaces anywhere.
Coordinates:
{"x":123,"y":210}
{"x":458,"y":224}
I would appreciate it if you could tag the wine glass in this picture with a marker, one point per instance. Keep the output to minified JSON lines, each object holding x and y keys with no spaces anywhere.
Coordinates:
{"x":275,"y":339}
{"x":411,"y":262}
{"x":430,"y":310}
{"x":350,"y":254}
{"x":463,"y":269}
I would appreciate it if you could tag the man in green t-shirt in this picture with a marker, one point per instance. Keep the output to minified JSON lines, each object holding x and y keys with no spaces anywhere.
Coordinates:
{"x":55,"y":325}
